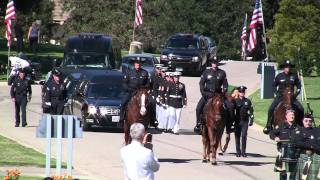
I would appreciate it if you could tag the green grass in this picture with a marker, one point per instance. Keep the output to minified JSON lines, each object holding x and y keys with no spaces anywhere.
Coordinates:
{"x":312,"y":86}
{"x":26,"y":178}
{"x":14,"y":154}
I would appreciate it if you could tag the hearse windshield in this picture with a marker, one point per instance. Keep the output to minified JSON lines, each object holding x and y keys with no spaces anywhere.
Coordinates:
{"x":106,"y":90}
{"x":86,"y":60}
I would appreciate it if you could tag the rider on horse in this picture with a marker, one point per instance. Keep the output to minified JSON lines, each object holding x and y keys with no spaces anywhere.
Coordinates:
{"x":282,"y":80}
{"x":213,"y":80}
{"x":134,"y":79}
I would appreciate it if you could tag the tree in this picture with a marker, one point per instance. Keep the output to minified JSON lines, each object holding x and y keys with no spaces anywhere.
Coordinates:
{"x":296,"y":33}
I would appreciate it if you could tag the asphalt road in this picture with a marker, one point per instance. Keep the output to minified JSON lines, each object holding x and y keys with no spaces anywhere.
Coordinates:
{"x":97,"y":153}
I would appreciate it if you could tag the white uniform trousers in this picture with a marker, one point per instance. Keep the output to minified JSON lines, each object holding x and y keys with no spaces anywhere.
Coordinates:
{"x":174,"y":119}
{"x":162,"y":114}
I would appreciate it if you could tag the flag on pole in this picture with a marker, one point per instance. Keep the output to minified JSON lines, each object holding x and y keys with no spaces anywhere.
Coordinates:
{"x":244,"y":38}
{"x":10,"y":14}
{"x":138,"y":17}
{"x":256,"y":20}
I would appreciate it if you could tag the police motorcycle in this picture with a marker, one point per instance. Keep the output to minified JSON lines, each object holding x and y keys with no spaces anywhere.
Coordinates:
{"x":32,"y":70}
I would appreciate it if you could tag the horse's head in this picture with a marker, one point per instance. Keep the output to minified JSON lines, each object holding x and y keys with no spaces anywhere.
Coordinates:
{"x":288,"y":94}
{"x":142,"y":96}
{"x":217,"y":102}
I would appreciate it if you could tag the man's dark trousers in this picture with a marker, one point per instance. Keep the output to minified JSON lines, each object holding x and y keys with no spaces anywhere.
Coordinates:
{"x":21,"y":104}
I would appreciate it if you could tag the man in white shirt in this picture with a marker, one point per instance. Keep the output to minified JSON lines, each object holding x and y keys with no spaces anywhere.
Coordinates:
{"x":139,"y":162}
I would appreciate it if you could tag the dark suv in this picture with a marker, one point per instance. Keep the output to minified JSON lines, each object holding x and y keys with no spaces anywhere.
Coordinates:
{"x":188,"y":51}
{"x":98,"y":98}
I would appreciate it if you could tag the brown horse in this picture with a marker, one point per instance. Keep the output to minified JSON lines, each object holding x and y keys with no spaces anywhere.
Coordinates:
{"x":137,"y":111}
{"x":213,"y":128}
{"x":279,"y":113}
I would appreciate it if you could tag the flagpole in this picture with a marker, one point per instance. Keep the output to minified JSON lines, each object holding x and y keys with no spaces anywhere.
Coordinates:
{"x":8,"y":63}
{"x":245,"y":41}
{"x":134,"y":26}
{"x":264,"y":34}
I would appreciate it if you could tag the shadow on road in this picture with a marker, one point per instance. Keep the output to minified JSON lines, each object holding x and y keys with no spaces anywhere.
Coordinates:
{"x":245,"y":163}
{"x":172,"y":160}
{"x":255,"y":155}
{"x":105,"y":129}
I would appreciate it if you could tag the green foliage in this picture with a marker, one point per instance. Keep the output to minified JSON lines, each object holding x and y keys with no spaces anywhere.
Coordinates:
{"x":297,"y":27}
{"x":221,"y":20}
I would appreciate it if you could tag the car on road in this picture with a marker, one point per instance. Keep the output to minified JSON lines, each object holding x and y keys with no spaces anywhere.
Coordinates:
{"x":148,"y":62}
{"x":212,"y":48}
{"x":187,"y":51}
{"x":98,"y":98}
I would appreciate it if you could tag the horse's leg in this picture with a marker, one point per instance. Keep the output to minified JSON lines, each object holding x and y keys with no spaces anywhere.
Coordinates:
{"x":205,"y":144}
{"x":126,"y":132}
{"x":212,"y":143}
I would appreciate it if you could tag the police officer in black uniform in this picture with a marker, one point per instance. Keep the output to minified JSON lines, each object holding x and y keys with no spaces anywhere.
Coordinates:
{"x":244,"y":118}
{"x":213,"y":80}
{"x":134,"y":79}
{"x":281,"y":81}
{"x":55,"y":93}
{"x":20,"y":94}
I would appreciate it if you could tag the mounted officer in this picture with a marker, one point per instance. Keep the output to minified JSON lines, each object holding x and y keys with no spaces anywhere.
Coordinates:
{"x":20,"y":94}
{"x":55,"y":94}
{"x":214,"y":80}
{"x":134,"y":79}
{"x":244,"y":118}
{"x":281,"y":81}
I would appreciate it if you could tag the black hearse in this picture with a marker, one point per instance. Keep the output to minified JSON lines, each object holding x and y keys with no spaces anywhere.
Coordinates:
{"x":98,"y":98}
{"x":90,"y":50}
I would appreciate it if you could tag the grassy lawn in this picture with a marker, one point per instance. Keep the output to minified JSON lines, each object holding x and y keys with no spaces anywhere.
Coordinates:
{"x":26,"y":178}
{"x":14,"y":154}
{"x":312,"y":86}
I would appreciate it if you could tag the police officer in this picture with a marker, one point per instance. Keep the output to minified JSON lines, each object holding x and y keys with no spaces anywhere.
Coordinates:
{"x":20,"y":94}
{"x":281,"y":81}
{"x":176,"y":98}
{"x":244,"y":118}
{"x":134,"y":79}
{"x":284,"y":132}
{"x":213,"y":80}
{"x":55,"y":95}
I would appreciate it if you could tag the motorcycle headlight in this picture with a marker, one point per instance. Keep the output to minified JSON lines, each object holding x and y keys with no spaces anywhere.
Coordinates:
{"x":195,"y":59}
{"x":92,"y":109}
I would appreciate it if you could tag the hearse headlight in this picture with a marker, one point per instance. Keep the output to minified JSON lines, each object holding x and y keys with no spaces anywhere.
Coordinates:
{"x":92,"y":109}
{"x":195,"y":59}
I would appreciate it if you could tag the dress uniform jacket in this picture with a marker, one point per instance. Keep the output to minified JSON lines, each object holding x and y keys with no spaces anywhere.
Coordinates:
{"x":176,"y":95}
{"x":20,"y":87}
{"x":284,"y":131}
{"x":55,"y":97}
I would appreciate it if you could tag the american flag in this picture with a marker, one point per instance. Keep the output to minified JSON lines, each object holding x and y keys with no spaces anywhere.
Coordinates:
{"x":256,"y":20}
{"x":244,"y":38}
{"x":10,"y":14}
{"x":138,"y":18}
